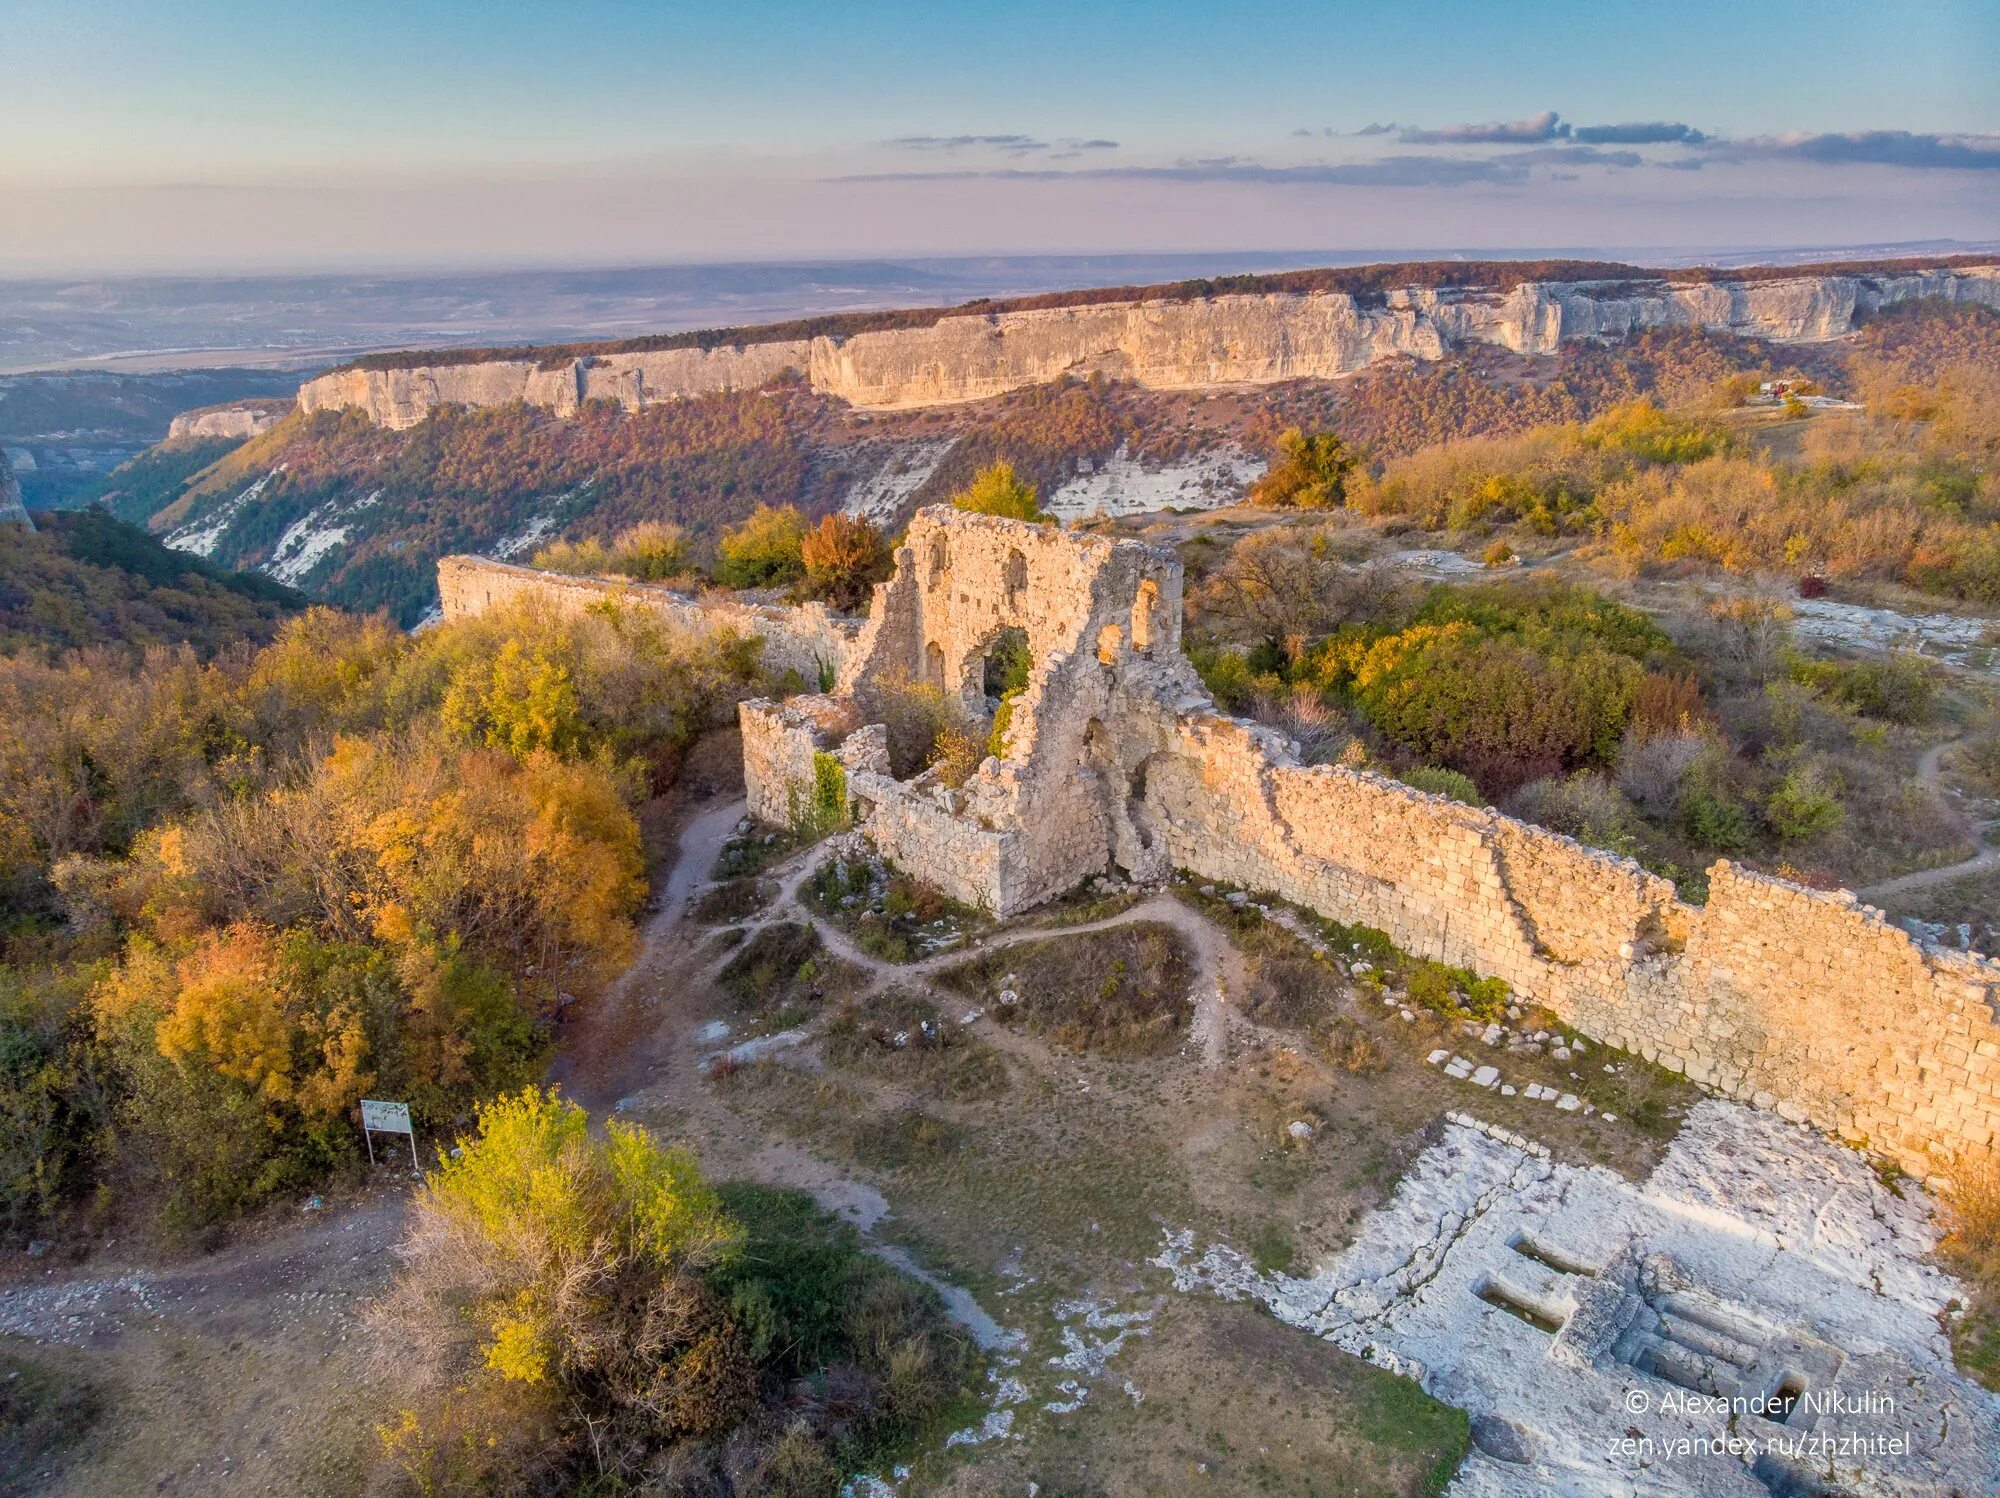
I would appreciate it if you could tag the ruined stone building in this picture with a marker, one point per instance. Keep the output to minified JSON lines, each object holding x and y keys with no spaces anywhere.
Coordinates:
{"x":1799,"y":1000}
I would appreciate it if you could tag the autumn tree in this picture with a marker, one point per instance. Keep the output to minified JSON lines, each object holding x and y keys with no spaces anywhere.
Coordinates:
{"x":1310,"y":472}
{"x":844,"y":557}
{"x":590,"y":1312}
{"x":1284,"y":589}
{"x":589,"y":557}
{"x":764,"y":550}
{"x":999,"y":491}
{"x":652,"y":551}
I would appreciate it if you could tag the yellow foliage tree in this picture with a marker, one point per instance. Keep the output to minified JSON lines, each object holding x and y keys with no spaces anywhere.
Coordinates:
{"x":546,"y":1210}
{"x":763,"y":551}
{"x":998,"y":490}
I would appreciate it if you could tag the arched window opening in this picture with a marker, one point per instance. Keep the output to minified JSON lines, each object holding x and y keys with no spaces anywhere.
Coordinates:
{"x":934,"y":664}
{"x":940,"y":560}
{"x":1015,"y":578}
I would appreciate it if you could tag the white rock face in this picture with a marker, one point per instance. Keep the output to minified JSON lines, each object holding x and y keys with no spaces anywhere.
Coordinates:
{"x":902,"y":471}
{"x":1122,"y":485}
{"x":224,"y":421}
{"x":1225,"y":340}
{"x":11,"y":508}
{"x":1574,"y":1314}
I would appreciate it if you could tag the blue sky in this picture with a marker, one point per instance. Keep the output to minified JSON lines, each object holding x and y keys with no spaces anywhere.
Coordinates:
{"x":177,"y":134}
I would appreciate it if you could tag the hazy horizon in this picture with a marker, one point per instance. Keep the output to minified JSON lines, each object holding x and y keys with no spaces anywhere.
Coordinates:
{"x":219,"y":136}
{"x":147,"y":323}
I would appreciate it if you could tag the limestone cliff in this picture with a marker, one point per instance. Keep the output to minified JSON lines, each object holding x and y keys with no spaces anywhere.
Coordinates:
{"x":243,"y":419}
{"x":11,"y":508}
{"x":1223,"y":340}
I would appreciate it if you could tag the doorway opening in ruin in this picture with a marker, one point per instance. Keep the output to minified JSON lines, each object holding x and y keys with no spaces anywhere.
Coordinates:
{"x":1004,"y":668}
{"x":1136,"y":812}
{"x":1003,"y":676}
{"x":1136,"y":846}
{"x":1145,"y":608}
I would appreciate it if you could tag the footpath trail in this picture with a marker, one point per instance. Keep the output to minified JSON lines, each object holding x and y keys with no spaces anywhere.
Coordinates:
{"x":1218,"y":967}
{"x":614,"y":1047}
{"x":1988,"y":857}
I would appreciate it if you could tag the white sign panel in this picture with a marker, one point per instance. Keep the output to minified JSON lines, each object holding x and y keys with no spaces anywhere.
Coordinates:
{"x":378,"y":1117}
{"x":386,"y":1118}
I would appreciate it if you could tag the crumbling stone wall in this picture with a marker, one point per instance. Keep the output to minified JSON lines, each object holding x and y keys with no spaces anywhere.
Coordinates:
{"x":1794,"y":999}
{"x":809,"y":640}
{"x":1804,"y":1001}
{"x":1799,"y":1000}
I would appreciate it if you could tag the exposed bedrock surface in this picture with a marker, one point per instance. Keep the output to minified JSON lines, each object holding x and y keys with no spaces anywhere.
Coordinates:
{"x":1224,"y":340}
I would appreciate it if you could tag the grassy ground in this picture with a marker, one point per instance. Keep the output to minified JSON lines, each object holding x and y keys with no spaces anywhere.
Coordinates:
{"x":1060,"y":1189}
{"x":902,"y":1039}
{"x":783,"y":975}
{"x":1344,"y":1051}
{"x":48,"y":1405}
{"x":1973,"y":901}
{"x":888,"y":914}
{"x":734,"y":900}
{"x":1121,"y":992}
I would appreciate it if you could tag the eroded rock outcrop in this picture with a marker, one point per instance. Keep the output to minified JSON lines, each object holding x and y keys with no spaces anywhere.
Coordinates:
{"x":1166,"y":344}
{"x":11,"y":508}
{"x":242,"y":419}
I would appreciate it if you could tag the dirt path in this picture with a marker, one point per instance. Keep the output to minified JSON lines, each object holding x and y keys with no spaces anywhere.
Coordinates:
{"x":1218,"y":966}
{"x":1930,"y":777}
{"x":613,"y":1048}
{"x":247,"y":1370}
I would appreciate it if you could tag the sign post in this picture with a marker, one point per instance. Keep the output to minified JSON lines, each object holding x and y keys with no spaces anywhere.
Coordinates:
{"x":387,"y":1118}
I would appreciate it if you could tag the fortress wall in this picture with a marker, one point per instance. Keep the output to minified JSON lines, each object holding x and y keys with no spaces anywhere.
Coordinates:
{"x":915,"y":819}
{"x":1224,"y":340}
{"x":779,"y":742}
{"x":1801,"y":1000}
{"x":970,"y":863}
{"x":802,"y":639}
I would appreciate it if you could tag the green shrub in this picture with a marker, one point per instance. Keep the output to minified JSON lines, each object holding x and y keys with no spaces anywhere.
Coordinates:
{"x":825,"y":809}
{"x":1442,"y":782}
{"x":1584,"y":806}
{"x":765,"y":551}
{"x":1804,"y":804}
{"x":999,"y":491}
{"x":1714,"y":819}
{"x":1897,"y":688}
{"x":1455,"y":991}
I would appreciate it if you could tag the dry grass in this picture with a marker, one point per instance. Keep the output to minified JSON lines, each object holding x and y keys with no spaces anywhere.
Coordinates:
{"x":899,"y":1036}
{"x":1121,"y":993}
{"x":1971,"y":1248}
{"x":734,"y":900}
{"x":889,"y":914}
{"x":47,"y":1406}
{"x":784,"y":973}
